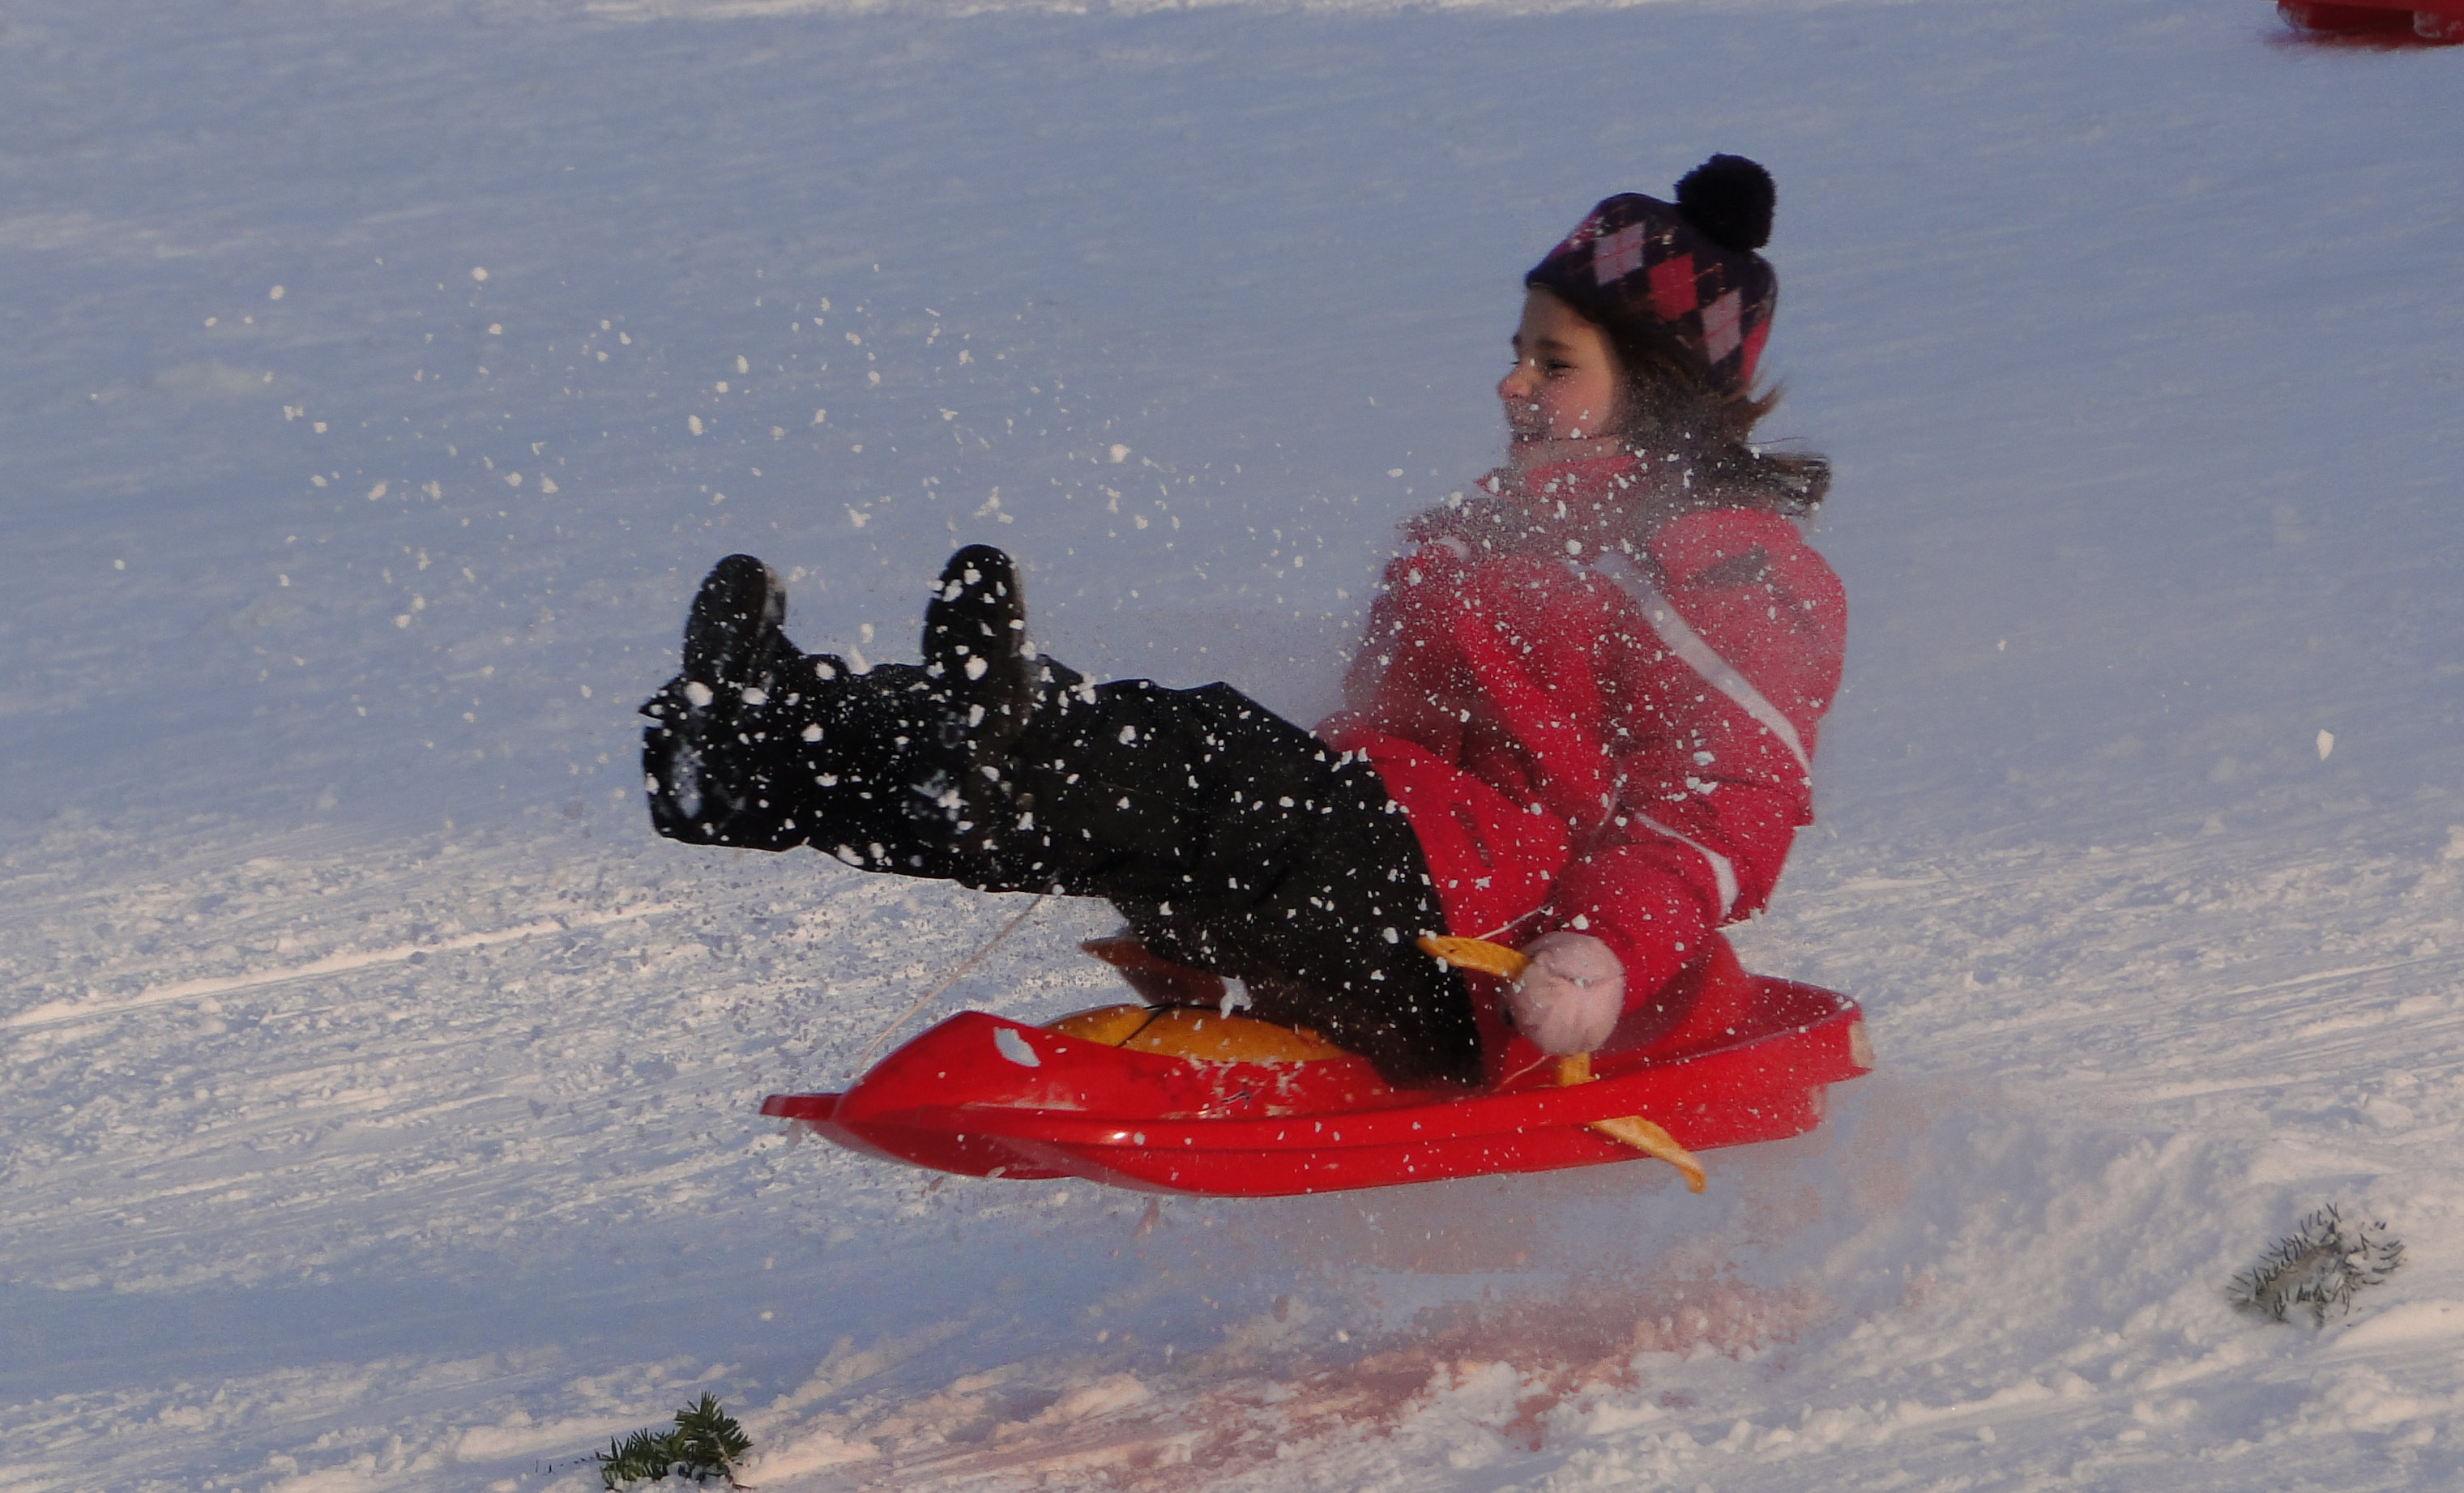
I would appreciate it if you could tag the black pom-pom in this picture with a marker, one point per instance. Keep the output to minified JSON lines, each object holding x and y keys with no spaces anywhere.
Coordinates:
{"x":1729,"y":198}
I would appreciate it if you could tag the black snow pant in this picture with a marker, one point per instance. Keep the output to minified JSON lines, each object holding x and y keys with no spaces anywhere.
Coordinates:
{"x":1231,"y":840}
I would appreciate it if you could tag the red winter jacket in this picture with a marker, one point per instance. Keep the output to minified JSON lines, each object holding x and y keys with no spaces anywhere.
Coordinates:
{"x":1598,"y":718}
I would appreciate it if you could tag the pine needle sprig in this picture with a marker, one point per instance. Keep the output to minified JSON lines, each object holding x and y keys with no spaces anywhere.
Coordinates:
{"x":2321,"y":1265}
{"x":707,"y":1443}
{"x":711,"y":1438}
{"x":644,"y":1455}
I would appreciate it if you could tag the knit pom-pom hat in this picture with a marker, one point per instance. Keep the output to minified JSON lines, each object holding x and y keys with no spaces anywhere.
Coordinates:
{"x":1686,"y":271}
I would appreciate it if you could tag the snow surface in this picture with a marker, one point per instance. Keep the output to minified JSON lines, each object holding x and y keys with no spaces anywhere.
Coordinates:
{"x":378,"y":1101}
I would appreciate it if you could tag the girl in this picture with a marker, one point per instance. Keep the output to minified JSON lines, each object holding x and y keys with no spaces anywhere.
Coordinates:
{"x":1582,"y":720}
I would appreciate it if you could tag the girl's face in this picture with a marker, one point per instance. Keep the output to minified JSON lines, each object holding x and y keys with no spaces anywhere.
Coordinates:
{"x":1563,"y":386}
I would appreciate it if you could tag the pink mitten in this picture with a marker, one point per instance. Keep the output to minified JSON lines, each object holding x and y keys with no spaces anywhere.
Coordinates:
{"x":1571,"y":996}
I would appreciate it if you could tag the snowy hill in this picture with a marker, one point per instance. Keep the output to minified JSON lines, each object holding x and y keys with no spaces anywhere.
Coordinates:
{"x":379,"y":1100}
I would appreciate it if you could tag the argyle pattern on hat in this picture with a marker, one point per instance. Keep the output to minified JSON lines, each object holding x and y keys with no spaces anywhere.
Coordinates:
{"x":1636,"y":258}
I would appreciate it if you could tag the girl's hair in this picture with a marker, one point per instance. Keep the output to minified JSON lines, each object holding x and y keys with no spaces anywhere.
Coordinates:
{"x":1667,"y":400}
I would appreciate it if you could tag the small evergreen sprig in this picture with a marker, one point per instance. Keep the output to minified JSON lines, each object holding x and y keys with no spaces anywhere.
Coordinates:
{"x":2324,"y":1263}
{"x":707,"y":1443}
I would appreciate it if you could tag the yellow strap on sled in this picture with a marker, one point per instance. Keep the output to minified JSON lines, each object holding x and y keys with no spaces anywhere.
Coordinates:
{"x":1633,"y":1129}
{"x":1652,"y":1141}
{"x":1630,"y":1130}
{"x":1477,"y":954}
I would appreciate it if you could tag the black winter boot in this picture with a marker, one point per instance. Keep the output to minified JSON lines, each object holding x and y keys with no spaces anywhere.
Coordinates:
{"x":758,"y":746}
{"x":975,"y":653}
{"x":710,"y":729}
{"x":731,"y":635}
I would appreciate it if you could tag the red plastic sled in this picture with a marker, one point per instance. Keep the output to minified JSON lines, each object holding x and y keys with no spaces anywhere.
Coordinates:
{"x":2430,"y":20}
{"x":1187,"y":1101}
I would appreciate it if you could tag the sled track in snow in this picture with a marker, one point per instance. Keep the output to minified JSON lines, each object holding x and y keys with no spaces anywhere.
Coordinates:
{"x":61,"y":1011}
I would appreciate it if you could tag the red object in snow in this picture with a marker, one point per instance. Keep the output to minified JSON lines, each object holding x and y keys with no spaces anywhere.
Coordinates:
{"x":2430,"y":20}
{"x":983,"y":1096}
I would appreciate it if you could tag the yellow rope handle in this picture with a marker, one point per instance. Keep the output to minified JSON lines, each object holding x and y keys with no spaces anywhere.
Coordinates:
{"x":1632,"y":1130}
{"x":1477,"y":954}
{"x":1652,"y":1141}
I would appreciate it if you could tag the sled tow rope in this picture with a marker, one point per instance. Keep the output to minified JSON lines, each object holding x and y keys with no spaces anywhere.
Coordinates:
{"x":953,"y":978}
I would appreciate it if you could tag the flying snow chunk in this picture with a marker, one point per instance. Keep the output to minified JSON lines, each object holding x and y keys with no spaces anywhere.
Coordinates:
{"x":275,"y":294}
{"x":1015,"y":1047}
{"x":1120,"y":454}
{"x":477,"y":272}
{"x":2326,"y":744}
